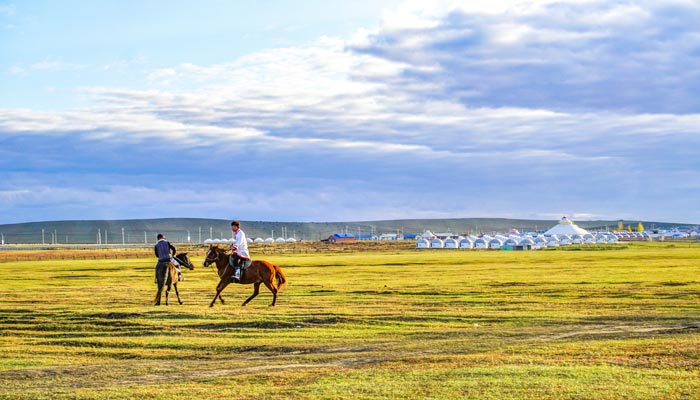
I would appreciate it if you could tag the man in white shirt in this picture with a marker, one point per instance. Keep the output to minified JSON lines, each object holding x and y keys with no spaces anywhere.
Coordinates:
{"x":240,"y":250}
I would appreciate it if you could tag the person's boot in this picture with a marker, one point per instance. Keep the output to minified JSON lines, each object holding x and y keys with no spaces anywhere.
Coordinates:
{"x":237,"y":275}
{"x":179,"y":276}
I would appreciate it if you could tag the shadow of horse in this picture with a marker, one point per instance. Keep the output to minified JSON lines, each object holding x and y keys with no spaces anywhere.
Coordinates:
{"x":259,"y":272}
{"x":166,"y":274}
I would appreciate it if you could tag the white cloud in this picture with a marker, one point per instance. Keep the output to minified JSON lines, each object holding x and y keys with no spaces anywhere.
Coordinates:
{"x":417,"y":118}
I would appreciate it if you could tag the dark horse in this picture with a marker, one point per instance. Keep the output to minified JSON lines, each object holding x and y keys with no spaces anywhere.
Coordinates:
{"x":259,"y":272}
{"x":168,"y":276}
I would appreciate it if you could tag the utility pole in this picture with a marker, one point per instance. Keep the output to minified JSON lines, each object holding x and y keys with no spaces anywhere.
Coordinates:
{"x":188,"y":236}
{"x":123,"y":242}
{"x":200,"y":234}
{"x":42,"y":236}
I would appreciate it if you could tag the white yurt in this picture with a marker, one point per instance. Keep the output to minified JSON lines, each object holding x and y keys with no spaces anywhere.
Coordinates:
{"x":481,"y":243}
{"x":422,"y":243}
{"x":428,"y":235}
{"x":280,"y":240}
{"x":291,"y":240}
{"x":566,"y":227}
{"x":577,"y":239}
{"x":527,"y":242}
{"x":553,"y":241}
{"x":269,"y":241}
{"x":451,"y":243}
{"x":466,"y":243}
{"x":495,"y":243}
{"x":565,"y":240}
{"x":511,"y":241}
{"x":601,"y":238}
{"x":588,"y":238}
{"x":436,"y":244}
{"x":540,"y":242}
{"x":259,"y":240}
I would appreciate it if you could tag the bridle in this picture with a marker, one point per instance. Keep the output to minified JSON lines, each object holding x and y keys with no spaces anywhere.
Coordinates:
{"x":208,"y":261}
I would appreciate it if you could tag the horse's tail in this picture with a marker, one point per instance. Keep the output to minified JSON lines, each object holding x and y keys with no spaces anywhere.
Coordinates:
{"x":281,"y":279}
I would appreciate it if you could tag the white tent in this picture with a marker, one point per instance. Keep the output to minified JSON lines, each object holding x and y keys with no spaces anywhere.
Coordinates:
{"x":428,"y":235}
{"x":451,"y":243}
{"x":566,"y":227}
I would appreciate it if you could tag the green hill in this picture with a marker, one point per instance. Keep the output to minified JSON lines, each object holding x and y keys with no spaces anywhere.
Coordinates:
{"x":196,"y":230}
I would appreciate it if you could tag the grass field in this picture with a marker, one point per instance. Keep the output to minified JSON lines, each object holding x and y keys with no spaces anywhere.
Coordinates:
{"x":612,"y":322}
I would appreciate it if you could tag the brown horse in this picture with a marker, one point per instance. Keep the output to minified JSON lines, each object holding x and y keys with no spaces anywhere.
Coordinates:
{"x":168,"y":276}
{"x":259,"y":272}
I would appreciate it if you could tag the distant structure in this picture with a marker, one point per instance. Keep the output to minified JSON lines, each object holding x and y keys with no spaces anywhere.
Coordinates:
{"x":340,"y":237}
{"x":566,"y":227}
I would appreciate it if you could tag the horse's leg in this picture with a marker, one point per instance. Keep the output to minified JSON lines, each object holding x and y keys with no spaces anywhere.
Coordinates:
{"x":256,"y":290}
{"x":221,"y":299}
{"x":161,"y":282}
{"x":157,"y":299}
{"x":273,"y":289}
{"x":177,"y":293}
{"x":219,"y":288}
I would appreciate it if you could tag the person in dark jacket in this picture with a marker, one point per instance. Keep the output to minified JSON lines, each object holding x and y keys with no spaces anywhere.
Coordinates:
{"x":165,"y":252}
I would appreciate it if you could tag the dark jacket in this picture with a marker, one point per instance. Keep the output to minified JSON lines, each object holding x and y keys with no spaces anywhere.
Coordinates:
{"x":162,"y":250}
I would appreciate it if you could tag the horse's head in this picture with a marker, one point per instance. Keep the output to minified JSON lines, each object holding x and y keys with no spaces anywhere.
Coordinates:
{"x":211,"y":256}
{"x":185,"y":260}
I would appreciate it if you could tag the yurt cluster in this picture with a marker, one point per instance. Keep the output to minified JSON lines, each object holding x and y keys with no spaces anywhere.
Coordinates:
{"x":279,"y":240}
{"x":563,"y":234}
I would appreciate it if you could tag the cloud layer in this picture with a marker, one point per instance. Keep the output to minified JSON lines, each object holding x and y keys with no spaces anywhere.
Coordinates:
{"x":518,"y":110}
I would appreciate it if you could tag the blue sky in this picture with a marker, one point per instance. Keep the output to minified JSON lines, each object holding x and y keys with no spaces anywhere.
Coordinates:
{"x":349,"y":111}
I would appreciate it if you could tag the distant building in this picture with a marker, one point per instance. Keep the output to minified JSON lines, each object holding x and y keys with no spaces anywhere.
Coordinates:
{"x":340,"y":237}
{"x":566,"y":227}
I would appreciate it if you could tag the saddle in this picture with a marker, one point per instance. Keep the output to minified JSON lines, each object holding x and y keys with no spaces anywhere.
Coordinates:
{"x":242,"y":263}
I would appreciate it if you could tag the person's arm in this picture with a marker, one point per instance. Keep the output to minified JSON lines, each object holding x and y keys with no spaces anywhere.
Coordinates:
{"x":172,"y":248}
{"x":239,"y":239}
{"x":155,"y":250}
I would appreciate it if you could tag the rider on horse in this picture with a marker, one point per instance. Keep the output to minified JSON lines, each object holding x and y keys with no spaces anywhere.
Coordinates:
{"x":240,"y":257}
{"x":163,"y":250}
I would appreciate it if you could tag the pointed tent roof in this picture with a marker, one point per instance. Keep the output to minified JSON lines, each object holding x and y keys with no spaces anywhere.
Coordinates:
{"x":566,"y":227}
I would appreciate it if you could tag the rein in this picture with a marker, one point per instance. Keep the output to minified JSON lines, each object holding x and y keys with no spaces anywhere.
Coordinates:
{"x":217,"y":257}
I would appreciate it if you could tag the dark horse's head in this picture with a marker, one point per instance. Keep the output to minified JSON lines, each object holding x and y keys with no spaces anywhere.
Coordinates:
{"x":184,"y":260}
{"x":212,"y":255}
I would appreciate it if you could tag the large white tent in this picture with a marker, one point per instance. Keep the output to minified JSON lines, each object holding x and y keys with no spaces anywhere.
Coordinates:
{"x":566,"y":227}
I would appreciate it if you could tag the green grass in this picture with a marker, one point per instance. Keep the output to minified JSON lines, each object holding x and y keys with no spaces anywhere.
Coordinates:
{"x":607,"y":322}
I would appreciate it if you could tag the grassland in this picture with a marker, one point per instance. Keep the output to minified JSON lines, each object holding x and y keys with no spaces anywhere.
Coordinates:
{"x":613,"y":322}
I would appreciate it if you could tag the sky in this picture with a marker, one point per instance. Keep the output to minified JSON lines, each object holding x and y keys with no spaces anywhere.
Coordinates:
{"x":319,"y":111}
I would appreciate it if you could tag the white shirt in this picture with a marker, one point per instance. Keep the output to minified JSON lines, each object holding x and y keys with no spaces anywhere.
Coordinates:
{"x":241,"y":245}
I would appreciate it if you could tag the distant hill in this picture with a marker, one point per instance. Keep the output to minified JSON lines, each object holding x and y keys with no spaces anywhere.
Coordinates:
{"x":195,"y":230}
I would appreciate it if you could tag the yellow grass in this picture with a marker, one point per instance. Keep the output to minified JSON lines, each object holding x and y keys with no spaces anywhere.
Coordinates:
{"x":613,"y":322}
